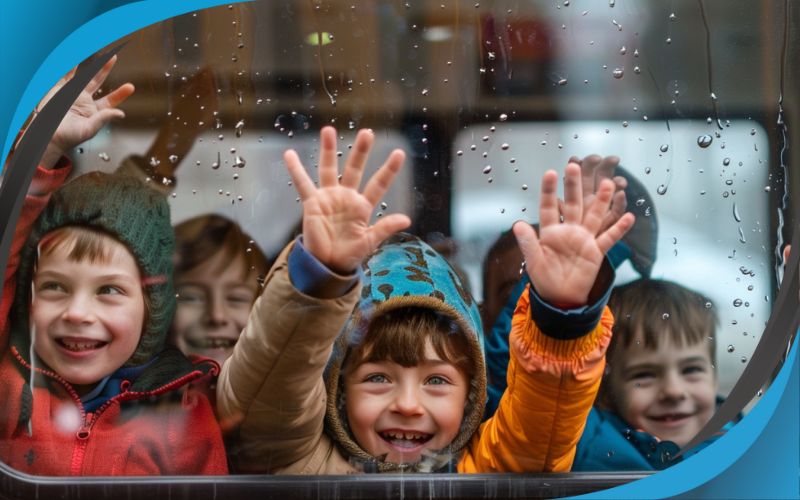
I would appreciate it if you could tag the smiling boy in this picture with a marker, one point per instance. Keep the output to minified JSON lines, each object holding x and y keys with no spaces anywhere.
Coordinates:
{"x":90,"y":386}
{"x":661,"y":384}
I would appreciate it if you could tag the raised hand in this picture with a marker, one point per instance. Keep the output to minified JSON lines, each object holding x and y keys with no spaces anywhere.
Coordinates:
{"x":336,"y":215}
{"x":87,"y":115}
{"x":564,"y":259}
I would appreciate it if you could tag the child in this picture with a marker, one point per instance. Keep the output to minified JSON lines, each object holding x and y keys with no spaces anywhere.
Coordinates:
{"x":217,"y":271}
{"x":661,"y":383}
{"x":90,"y":388}
{"x":402,"y":387}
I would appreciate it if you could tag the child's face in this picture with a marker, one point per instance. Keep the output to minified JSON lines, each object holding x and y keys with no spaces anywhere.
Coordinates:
{"x":88,"y":316}
{"x":214,"y":303}
{"x":669,"y":392}
{"x":399,"y":412}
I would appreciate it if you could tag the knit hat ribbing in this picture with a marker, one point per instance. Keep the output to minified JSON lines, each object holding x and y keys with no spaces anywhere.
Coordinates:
{"x":131,"y":212}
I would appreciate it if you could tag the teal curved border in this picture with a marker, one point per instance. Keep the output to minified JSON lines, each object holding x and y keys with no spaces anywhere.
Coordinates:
{"x":758,"y":458}
{"x":95,"y":27}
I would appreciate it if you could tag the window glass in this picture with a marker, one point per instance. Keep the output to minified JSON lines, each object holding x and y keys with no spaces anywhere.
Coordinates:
{"x":483,"y":97}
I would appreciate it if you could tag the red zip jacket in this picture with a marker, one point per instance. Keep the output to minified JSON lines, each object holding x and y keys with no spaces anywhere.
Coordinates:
{"x":157,"y":426}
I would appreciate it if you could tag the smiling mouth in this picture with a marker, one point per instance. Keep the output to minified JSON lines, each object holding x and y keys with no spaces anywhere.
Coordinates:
{"x":75,"y":345}
{"x":211,"y":343}
{"x":409,"y":440}
{"x":671,"y":417}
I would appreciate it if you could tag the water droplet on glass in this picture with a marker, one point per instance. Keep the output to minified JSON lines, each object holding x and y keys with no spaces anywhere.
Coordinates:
{"x":503,"y":117}
{"x":239,"y":162}
{"x":640,"y":202}
{"x":524,"y":187}
{"x":647,"y":170}
{"x":491,"y":56}
{"x":623,"y":50}
{"x":726,"y":161}
{"x":664,"y":148}
{"x":239,"y":128}
{"x":742,"y":239}
{"x":737,"y":302}
{"x":104,"y":156}
{"x":709,"y":305}
{"x":752,"y":131}
{"x":459,"y":153}
{"x":487,"y":169}
{"x":504,"y":146}
{"x":618,"y":73}
{"x":704,"y":140}
{"x":665,"y":316}
{"x":173,"y":159}
{"x":662,"y":189}
{"x":744,"y":359}
{"x":731,"y":348}
{"x":215,"y":165}
{"x":562,"y":81}
{"x":736,"y":215}
{"x":424,"y":91}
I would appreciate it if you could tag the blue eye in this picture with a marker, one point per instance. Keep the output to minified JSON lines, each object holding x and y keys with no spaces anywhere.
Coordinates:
{"x":437,"y":380}
{"x":377,"y":378}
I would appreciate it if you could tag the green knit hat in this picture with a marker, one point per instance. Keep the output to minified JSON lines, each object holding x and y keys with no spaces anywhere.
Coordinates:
{"x":134,"y":214}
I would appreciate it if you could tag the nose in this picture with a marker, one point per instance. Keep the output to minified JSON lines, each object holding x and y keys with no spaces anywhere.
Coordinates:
{"x":79,"y":310}
{"x":407,"y":401}
{"x":673,"y":387}
{"x":217,"y":312}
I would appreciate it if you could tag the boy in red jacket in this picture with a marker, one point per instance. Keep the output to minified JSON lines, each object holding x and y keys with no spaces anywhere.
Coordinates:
{"x":89,"y":386}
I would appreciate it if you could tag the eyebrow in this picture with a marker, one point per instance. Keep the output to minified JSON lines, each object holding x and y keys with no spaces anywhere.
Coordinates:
{"x":64,"y":276}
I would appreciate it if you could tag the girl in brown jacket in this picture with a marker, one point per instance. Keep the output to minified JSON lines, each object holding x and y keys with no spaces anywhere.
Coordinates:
{"x":383,"y":370}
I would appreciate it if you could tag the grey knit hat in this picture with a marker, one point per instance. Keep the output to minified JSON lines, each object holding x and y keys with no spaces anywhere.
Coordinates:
{"x":129,"y":211}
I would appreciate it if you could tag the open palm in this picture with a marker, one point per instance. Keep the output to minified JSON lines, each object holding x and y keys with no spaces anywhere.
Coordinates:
{"x":336,"y":216}
{"x":88,"y":115}
{"x":565,"y":257}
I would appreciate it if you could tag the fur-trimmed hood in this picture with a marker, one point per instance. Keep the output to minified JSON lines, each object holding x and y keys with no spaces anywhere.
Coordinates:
{"x":406,"y":272}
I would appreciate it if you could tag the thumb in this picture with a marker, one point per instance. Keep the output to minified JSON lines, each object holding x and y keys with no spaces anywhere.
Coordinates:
{"x":387,"y":226}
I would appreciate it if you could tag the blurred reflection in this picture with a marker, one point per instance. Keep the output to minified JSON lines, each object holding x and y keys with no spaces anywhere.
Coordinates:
{"x":218,"y":272}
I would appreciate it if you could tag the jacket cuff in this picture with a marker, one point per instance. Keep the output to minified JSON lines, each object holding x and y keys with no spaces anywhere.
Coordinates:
{"x":313,"y":278}
{"x":569,"y":324}
{"x":48,"y":180}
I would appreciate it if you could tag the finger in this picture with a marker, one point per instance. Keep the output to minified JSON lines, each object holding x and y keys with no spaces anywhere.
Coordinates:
{"x":101,"y":76}
{"x":786,"y":250}
{"x":548,"y":203}
{"x":618,"y":206}
{"x":354,"y":166}
{"x":101,"y":118}
{"x":527,"y":240}
{"x":573,"y":195}
{"x":328,"y":171}
{"x":300,"y":179}
{"x":597,"y":211}
{"x":387,"y":226}
{"x":612,"y":235}
{"x":116,"y":97}
{"x":382,"y":180}
{"x":588,"y":166}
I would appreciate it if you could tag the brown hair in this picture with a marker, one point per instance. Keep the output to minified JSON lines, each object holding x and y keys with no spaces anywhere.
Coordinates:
{"x":200,"y":238}
{"x":84,"y":243}
{"x":660,"y":309}
{"x":399,"y":336}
